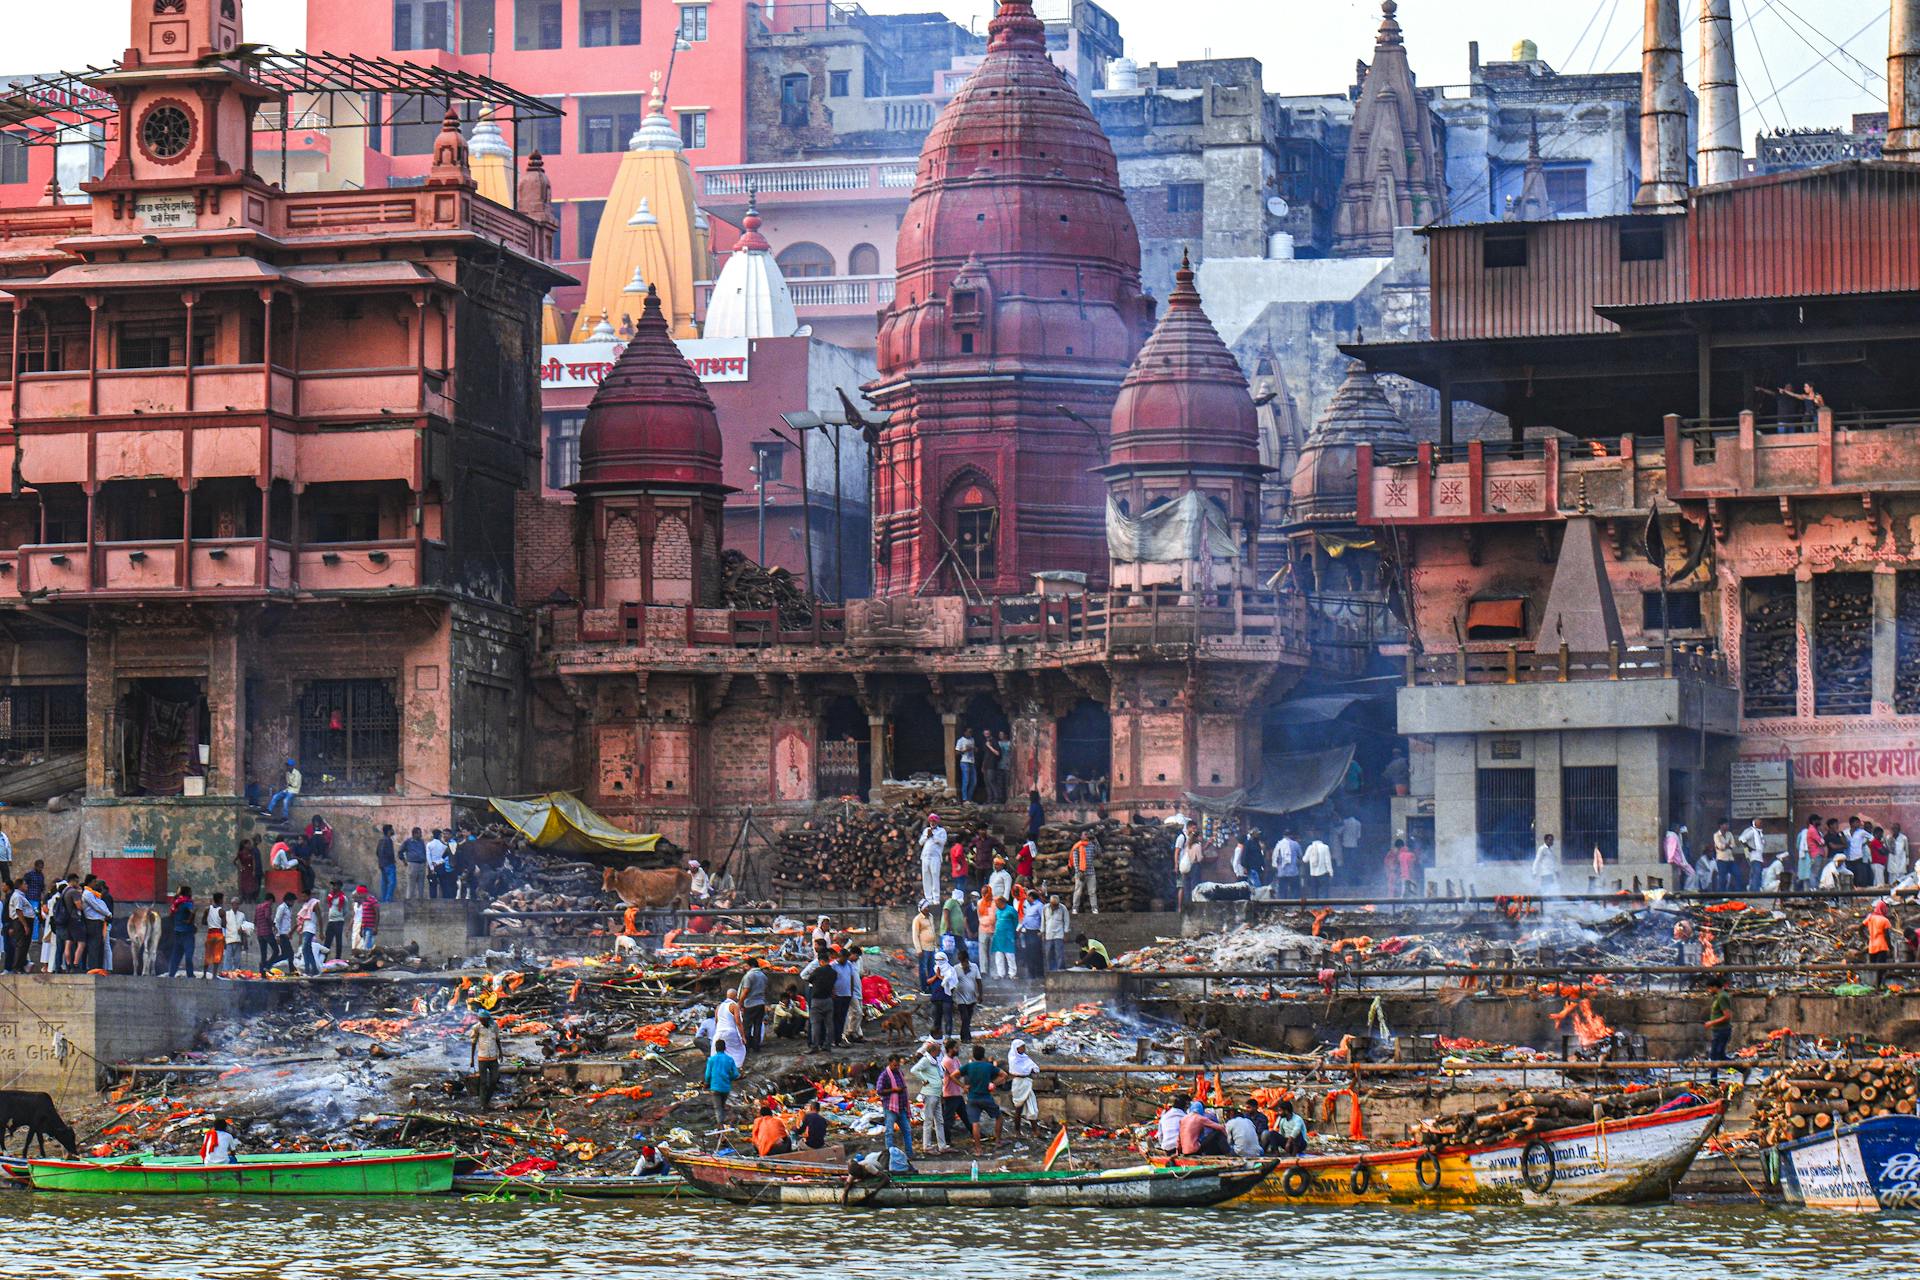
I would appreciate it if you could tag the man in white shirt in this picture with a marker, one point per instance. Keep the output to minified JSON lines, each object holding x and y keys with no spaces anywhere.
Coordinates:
{"x":16,"y":919}
{"x":1001,"y":881}
{"x":1319,"y":861}
{"x":933,"y":847}
{"x":1286,"y":866}
{"x":1169,"y":1132}
{"x":1897,"y":861}
{"x":963,"y":751}
{"x":1546,"y":867}
{"x":1186,"y":860}
{"x":1754,"y":842}
{"x":1243,"y":1136}
{"x":1350,"y":834}
{"x":6,"y":854}
{"x":436,"y":865}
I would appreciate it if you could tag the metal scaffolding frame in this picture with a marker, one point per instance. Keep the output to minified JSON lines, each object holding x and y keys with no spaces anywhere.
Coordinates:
{"x":71,"y":107}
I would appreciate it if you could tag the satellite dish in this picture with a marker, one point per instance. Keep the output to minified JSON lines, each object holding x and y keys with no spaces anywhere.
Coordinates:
{"x":1278,"y":207}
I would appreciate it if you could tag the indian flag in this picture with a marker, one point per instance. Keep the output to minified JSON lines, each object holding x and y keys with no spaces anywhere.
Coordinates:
{"x":1056,"y":1148}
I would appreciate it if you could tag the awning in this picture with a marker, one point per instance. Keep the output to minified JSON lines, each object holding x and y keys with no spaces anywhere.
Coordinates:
{"x":1318,"y":708}
{"x":173,"y":273}
{"x":1506,"y":615}
{"x":322,"y":275}
{"x":559,"y":821}
{"x":1288,"y":783}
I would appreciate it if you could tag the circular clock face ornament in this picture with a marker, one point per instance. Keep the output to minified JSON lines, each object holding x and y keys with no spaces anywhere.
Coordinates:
{"x":166,"y":131}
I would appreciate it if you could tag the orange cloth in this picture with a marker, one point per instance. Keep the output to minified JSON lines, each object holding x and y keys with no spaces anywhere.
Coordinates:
{"x":986,"y":909}
{"x":768,"y":1133}
{"x":216,"y":947}
{"x":1878,"y":929}
{"x":1079,"y":858}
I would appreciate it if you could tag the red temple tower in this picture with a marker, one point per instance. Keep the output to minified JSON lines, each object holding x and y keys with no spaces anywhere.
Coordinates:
{"x":650,"y":477}
{"x":1017,"y":312}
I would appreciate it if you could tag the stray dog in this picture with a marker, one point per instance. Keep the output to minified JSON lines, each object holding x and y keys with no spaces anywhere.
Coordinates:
{"x":897,"y":1022}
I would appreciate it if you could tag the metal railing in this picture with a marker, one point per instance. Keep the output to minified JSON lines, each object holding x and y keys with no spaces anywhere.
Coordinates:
{"x":1516,"y":665}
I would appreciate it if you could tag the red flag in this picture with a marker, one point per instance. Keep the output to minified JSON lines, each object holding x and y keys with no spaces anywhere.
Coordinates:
{"x":1056,"y":1148}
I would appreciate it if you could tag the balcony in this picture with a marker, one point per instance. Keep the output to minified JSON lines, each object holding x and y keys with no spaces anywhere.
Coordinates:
{"x":1256,"y":623}
{"x":209,"y":389}
{"x":1512,"y":688}
{"x":1832,"y":454}
{"x":1481,"y":483}
{"x":723,"y":188}
{"x":143,"y":452}
{"x":214,"y":566}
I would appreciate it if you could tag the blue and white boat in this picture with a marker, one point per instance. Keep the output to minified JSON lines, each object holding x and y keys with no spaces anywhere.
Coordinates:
{"x":1871,"y":1165}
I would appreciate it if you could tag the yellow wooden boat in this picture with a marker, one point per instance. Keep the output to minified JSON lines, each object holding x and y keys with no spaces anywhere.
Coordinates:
{"x":1632,"y":1161}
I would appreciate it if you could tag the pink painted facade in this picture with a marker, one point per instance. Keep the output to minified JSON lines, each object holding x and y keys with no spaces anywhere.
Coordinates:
{"x":264,"y":448}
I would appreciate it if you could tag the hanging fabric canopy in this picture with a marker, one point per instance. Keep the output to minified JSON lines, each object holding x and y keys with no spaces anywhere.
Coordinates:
{"x":1189,"y":528}
{"x":559,"y":821}
{"x":1288,"y":783}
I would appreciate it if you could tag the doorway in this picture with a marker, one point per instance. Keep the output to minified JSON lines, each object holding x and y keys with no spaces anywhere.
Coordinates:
{"x":163,"y":722}
{"x":846,"y":750}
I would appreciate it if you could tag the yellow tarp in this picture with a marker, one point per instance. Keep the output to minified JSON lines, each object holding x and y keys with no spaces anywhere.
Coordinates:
{"x":560,"y":821}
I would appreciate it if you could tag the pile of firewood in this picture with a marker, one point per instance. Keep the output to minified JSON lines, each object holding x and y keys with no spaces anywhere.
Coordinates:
{"x":867,"y":852}
{"x":1135,"y":863}
{"x":746,"y":585}
{"x":1540,"y":1111}
{"x":1809,"y":1097}
{"x":871,"y":852}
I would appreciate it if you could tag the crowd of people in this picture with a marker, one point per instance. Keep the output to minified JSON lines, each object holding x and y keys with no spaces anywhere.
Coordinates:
{"x":1288,"y":868}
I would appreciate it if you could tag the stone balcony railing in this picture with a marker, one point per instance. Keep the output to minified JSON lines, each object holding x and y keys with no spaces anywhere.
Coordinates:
{"x":1481,"y":482}
{"x":1117,"y":622}
{"x":1823,"y":454}
{"x":215,"y":566}
{"x":1519,"y":664}
{"x":81,"y":394}
{"x":816,"y":181}
{"x":824,"y":297}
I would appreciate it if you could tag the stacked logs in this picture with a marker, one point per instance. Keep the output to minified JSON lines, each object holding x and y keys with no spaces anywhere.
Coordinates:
{"x":1534,"y":1111}
{"x":746,"y":585}
{"x":1812,"y":1097}
{"x":1135,"y":864}
{"x":865,"y":852}
{"x":1843,"y":643}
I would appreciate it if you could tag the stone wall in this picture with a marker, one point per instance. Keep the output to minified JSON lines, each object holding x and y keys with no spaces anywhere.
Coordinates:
{"x":108,"y":1020}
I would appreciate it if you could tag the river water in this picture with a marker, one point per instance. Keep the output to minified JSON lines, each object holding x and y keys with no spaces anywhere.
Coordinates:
{"x":447,"y":1238}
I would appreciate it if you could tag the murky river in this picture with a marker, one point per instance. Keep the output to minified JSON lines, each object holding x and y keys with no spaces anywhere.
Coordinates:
{"x":450,"y":1239}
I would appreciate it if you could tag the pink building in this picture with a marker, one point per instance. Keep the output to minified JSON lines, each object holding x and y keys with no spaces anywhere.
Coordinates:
{"x":264,"y":450}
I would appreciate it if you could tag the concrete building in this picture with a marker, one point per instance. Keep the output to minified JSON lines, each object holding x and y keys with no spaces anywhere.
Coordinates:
{"x":1215,"y":166}
{"x":1588,"y":129}
{"x":265,"y":449}
{"x":1687,"y":556}
{"x":595,"y":60}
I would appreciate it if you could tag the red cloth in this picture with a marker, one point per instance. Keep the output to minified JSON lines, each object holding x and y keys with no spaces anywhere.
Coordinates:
{"x":875,"y":990}
{"x":532,"y":1164}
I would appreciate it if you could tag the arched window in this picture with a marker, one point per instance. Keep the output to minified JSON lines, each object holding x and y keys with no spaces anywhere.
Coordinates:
{"x":863,"y":260}
{"x":975,"y":530}
{"x":804,"y":260}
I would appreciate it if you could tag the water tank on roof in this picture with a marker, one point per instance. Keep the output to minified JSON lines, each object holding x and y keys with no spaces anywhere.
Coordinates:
{"x":1123,"y":74}
{"x":1280,"y":247}
{"x":1526,"y":51}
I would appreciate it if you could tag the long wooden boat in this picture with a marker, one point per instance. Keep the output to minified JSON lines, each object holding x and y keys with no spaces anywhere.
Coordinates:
{"x":397,"y":1172}
{"x":13,"y":1171}
{"x":658,"y":1186}
{"x":752,"y":1181}
{"x":1871,"y":1165}
{"x":1634,"y":1161}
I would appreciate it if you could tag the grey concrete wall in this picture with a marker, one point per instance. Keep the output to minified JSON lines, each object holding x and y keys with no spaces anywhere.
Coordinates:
{"x":108,"y":1020}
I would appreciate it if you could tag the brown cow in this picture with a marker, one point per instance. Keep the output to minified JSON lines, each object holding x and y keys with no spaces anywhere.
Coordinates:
{"x":667,"y":887}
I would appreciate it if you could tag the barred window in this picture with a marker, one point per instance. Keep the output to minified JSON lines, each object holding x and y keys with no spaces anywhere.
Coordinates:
{"x":1590,"y":812}
{"x":349,"y":737}
{"x":48,"y":720}
{"x":1504,"y":809}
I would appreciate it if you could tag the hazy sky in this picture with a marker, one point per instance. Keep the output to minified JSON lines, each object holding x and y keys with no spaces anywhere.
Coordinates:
{"x":1808,"y":62}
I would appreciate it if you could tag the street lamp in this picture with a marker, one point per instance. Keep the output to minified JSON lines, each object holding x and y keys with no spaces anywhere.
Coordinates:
{"x":828,"y":425}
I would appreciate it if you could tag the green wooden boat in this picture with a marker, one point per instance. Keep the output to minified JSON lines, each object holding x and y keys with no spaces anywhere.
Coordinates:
{"x":398,"y":1172}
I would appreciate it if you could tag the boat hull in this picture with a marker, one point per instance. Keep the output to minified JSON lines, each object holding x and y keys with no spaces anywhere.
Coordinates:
{"x":366,"y":1173}
{"x":772,"y":1182}
{"x":1633,"y":1161}
{"x":1861,"y":1167}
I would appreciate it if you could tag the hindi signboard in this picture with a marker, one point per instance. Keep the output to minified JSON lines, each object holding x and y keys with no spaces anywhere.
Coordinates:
{"x":1761,"y":789}
{"x":582,"y":365}
{"x":174,"y":212}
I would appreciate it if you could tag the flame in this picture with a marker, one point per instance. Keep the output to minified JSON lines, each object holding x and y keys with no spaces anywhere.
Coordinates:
{"x":1589,"y":1028}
